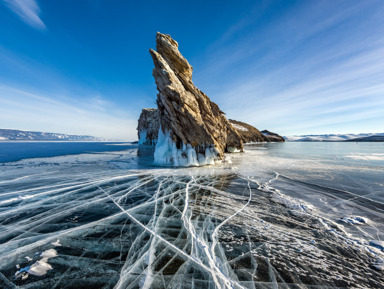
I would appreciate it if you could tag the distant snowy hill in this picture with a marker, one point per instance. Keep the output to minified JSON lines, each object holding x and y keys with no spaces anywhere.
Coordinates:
{"x":20,"y":135}
{"x":338,"y":137}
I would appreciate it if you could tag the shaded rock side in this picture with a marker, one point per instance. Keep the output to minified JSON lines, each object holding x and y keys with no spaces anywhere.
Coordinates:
{"x":188,"y":118}
{"x":148,"y":126}
{"x":272,"y":137}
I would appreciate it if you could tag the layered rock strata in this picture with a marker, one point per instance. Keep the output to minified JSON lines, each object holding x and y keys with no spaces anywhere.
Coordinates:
{"x":148,"y":126}
{"x":193,"y":129}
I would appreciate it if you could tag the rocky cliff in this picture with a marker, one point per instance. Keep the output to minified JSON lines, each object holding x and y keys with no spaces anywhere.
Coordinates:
{"x":188,"y":129}
{"x":272,"y":137}
{"x":250,"y":134}
{"x":193,"y":130}
{"x":247,"y":132}
{"x":148,"y":126}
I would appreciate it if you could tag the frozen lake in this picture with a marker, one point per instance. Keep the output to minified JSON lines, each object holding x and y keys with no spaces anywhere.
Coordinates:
{"x":280,"y":215}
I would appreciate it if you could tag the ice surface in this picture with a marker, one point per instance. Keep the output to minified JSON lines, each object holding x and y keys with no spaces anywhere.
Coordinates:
{"x":267,"y":220}
{"x":367,"y":157}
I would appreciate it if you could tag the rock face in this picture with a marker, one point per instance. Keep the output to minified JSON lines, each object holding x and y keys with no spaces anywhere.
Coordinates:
{"x":247,"y":132}
{"x":188,"y":129}
{"x":250,"y":134}
{"x":272,"y":137}
{"x":193,"y":130}
{"x":148,"y":127}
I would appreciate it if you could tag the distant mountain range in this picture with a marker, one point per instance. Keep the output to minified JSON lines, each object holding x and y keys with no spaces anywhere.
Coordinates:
{"x":20,"y":135}
{"x":362,"y":137}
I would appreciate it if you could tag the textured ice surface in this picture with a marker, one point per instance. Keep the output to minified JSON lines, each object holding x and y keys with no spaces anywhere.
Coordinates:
{"x":267,"y":220}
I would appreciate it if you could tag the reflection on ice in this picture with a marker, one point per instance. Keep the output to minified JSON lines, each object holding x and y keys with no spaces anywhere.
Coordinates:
{"x":109,"y":223}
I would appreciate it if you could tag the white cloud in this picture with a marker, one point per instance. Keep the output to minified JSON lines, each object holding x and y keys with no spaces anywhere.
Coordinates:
{"x":302,"y":72}
{"x":28,"y":11}
{"x":28,"y":111}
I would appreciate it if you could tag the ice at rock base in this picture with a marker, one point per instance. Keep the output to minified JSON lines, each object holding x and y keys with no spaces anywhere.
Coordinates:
{"x":166,"y":153}
{"x":143,"y":137}
{"x":144,"y":140}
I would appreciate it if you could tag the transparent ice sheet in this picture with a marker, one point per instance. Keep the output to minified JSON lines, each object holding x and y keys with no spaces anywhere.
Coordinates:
{"x":116,"y":221}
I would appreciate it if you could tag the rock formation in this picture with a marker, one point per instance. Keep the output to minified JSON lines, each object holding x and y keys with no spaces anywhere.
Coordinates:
{"x":250,"y":134}
{"x":193,"y":130}
{"x":272,"y":137}
{"x":188,"y":129}
{"x":247,"y":132}
{"x":148,"y":127}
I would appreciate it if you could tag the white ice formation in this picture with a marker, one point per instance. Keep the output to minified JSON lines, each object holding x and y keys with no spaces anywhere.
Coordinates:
{"x":167,"y":153}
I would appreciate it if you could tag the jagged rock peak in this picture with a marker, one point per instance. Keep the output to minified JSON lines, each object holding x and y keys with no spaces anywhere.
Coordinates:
{"x":192,"y":126}
{"x":168,"y":48}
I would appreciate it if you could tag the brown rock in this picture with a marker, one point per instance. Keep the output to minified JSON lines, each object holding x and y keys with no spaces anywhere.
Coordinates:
{"x":188,"y":118}
{"x":272,"y":137}
{"x":251,"y":134}
{"x":148,"y":126}
{"x":247,"y":132}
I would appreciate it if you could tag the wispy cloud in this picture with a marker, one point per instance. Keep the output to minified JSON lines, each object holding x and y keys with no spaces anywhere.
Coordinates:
{"x":26,"y":110}
{"x":297,"y":75}
{"x":28,"y":11}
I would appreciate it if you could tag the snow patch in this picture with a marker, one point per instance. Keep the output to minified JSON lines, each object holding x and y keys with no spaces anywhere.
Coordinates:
{"x":239,"y":127}
{"x":57,"y":243}
{"x":355,"y":220}
{"x":49,"y":253}
{"x":40,"y":267}
{"x":233,"y":150}
{"x":377,"y":244}
{"x":298,"y":206}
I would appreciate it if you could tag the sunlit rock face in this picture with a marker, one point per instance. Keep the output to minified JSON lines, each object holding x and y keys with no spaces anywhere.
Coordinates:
{"x":148,"y":127}
{"x":250,"y":134}
{"x":194,"y":131}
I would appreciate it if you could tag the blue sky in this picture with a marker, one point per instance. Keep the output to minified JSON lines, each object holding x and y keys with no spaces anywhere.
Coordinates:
{"x":293,"y":67}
